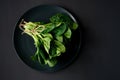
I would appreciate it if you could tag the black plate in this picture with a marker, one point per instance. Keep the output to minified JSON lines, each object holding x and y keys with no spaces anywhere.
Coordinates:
{"x":24,"y":44}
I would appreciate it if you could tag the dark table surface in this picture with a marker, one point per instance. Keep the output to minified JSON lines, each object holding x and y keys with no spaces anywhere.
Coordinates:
{"x":99,"y":57}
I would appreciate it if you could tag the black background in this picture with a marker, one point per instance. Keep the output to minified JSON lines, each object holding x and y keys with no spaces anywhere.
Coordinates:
{"x":99,"y":57}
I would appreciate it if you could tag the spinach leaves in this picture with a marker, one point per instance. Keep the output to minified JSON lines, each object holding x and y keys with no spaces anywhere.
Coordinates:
{"x":50,"y":39}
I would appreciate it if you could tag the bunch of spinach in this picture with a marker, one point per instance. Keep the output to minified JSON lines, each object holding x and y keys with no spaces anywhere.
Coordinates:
{"x":50,"y":39}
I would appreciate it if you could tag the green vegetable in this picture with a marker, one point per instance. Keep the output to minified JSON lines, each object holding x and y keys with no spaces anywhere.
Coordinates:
{"x":68,"y":33}
{"x":50,"y":39}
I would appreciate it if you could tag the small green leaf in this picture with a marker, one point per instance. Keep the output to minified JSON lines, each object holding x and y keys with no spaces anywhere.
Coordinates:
{"x":68,"y":33}
{"x":59,"y":38}
{"x":58,"y":51}
{"x":60,"y":46}
{"x":75,"y":26}
{"x":51,"y":62}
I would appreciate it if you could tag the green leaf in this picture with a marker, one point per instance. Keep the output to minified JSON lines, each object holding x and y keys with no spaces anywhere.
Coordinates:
{"x":59,"y":38}
{"x":60,"y":18}
{"x":75,"y":26}
{"x":56,"y":18}
{"x":59,"y":30}
{"x":36,"y":41}
{"x":68,"y":33}
{"x":52,"y":49}
{"x":48,"y":27}
{"x":47,"y":35}
{"x":46,"y":41}
{"x":60,"y":46}
{"x":57,"y":24}
{"x":58,"y":52}
{"x":41,"y":57}
{"x":51,"y":62}
{"x":57,"y":48}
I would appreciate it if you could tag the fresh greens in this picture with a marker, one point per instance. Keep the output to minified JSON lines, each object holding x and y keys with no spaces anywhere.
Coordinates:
{"x":50,"y":38}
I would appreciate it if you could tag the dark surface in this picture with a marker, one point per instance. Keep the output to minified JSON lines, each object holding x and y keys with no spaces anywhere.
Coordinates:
{"x":99,"y":57}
